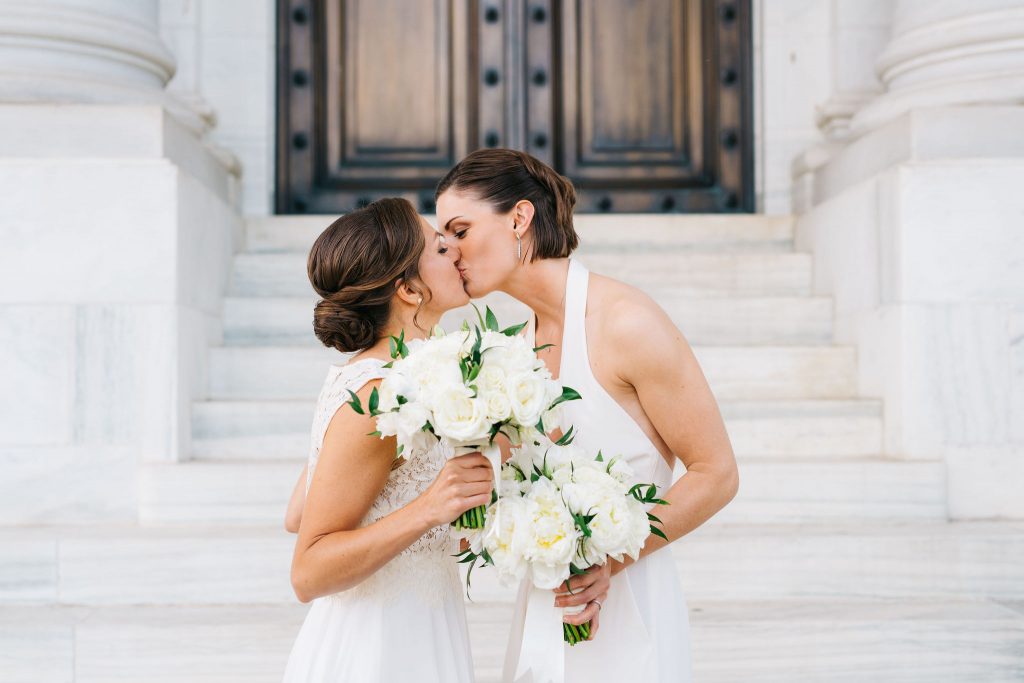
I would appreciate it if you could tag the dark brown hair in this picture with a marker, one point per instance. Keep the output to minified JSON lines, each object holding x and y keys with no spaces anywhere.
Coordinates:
{"x":506,"y":176}
{"x":355,"y":265}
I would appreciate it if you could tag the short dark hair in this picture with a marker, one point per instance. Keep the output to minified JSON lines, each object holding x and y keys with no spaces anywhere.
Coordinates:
{"x":504,"y":177}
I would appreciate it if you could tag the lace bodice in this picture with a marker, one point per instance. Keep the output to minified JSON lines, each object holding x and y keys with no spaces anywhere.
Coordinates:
{"x":426,"y":567}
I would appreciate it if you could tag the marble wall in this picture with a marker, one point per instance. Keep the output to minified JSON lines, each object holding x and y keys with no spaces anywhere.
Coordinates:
{"x":118,"y":228}
{"x":916,"y":235}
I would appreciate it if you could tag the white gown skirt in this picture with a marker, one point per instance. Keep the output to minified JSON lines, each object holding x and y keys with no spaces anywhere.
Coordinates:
{"x":367,"y":640}
{"x":644,"y":634}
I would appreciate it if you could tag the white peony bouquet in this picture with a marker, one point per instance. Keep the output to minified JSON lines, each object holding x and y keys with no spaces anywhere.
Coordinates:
{"x":466,"y":388}
{"x":559,"y":511}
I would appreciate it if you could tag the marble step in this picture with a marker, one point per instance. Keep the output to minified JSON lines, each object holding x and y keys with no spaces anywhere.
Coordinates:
{"x":620,"y":232}
{"x":250,"y":321}
{"x":926,"y":641}
{"x":721,"y":274}
{"x":790,"y":490}
{"x":249,"y":430}
{"x":746,"y":373}
{"x":209,"y":564}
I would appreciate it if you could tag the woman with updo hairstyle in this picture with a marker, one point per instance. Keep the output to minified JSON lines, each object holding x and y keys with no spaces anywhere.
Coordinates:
{"x":373,"y":553}
{"x":645,"y":399}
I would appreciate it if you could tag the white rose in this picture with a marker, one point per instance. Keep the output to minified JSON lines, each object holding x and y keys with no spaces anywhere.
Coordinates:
{"x":621,"y":470}
{"x":411,"y":418}
{"x":458,"y":416}
{"x":492,"y":378}
{"x":497,"y":406}
{"x":528,"y":398}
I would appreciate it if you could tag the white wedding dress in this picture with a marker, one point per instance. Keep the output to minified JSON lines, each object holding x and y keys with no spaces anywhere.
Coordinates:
{"x":644,"y":633}
{"x":406,"y":622}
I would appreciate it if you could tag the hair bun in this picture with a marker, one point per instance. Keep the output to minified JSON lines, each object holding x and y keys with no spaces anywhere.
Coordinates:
{"x":343,"y":327}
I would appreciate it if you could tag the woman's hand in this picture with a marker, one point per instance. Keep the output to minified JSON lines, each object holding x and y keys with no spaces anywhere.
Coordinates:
{"x":462,"y":484}
{"x":590,"y":589}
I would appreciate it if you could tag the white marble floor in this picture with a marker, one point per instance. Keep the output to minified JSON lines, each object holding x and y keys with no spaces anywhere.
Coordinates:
{"x":880,"y":641}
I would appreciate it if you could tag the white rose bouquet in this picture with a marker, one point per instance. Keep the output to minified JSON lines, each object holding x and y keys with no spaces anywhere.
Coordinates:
{"x":466,"y":388}
{"x":559,"y":511}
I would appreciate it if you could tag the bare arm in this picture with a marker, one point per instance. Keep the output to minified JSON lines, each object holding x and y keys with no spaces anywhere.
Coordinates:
{"x":676,"y":397}
{"x":332,"y":551}
{"x":293,"y":515}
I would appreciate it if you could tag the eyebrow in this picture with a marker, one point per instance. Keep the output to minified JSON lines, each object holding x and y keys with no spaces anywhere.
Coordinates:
{"x":447,"y":226}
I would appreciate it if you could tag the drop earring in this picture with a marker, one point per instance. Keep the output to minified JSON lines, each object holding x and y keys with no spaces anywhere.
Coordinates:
{"x":519,"y":244}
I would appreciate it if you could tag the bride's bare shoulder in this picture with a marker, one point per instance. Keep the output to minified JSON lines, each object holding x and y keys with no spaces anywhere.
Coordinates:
{"x":620,"y":310}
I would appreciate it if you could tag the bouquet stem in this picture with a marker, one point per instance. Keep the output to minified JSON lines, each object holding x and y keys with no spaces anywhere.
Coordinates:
{"x":575,"y":634}
{"x":472,"y":519}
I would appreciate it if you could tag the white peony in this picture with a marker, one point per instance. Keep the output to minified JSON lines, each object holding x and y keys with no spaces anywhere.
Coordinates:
{"x":505,"y":537}
{"x":552,"y":535}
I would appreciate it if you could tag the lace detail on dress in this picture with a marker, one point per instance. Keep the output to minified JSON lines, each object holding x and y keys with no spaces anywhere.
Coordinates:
{"x":425,"y":567}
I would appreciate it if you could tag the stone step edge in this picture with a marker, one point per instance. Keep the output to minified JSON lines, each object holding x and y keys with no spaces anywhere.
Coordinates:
{"x":867,"y":529}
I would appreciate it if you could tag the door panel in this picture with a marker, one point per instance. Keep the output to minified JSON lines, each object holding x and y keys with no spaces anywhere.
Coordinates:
{"x":644,"y":104}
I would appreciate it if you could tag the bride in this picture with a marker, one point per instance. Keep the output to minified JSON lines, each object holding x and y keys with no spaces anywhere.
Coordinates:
{"x":373,"y":552}
{"x":509,"y":217}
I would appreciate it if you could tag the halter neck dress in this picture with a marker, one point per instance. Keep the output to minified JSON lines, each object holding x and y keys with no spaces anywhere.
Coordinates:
{"x":644,"y":633}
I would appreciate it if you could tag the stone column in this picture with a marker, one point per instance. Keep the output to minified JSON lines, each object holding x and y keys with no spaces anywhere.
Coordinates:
{"x":117,"y":227}
{"x":914,"y":219}
{"x":948,"y":52}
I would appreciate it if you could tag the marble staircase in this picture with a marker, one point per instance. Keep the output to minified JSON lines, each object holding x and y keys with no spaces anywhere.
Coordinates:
{"x":834,"y":563}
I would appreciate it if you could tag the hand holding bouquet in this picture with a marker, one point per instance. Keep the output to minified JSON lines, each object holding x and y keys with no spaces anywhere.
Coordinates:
{"x":466,"y":388}
{"x":560,"y":511}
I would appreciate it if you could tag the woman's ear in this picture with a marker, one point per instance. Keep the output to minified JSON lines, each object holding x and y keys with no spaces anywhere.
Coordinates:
{"x":408,"y":293}
{"x":522,"y":214}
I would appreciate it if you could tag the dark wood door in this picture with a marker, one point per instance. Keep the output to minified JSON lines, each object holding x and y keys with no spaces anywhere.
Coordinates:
{"x":644,"y":104}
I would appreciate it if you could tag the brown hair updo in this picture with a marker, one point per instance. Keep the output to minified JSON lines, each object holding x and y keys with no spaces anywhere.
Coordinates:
{"x":506,"y":176}
{"x":355,"y":265}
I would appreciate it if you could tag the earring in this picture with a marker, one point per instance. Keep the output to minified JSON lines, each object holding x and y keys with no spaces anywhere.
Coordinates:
{"x":519,"y":245}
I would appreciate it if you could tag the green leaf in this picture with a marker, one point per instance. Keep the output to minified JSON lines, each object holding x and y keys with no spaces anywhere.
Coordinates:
{"x":654,"y":519}
{"x":491,"y":321}
{"x":475,"y":351}
{"x":377,"y":433}
{"x":542,"y":347}
{"x":568,"y":394}
{"x":402,"y":348}
{"x":398,"y":451}
{"x":658,"y":532}
{"x":600,"y":458}
{"x":566,"y":438}
{"x":465,"y":326}
{"x":355,"y":403}
{"x":374,"y":401}
{"x":513,"y":330}
{"x":479,"y":316}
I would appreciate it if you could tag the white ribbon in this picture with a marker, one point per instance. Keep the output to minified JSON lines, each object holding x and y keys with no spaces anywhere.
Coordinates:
{"x":541,"y":656}
{"x":537,"y":652}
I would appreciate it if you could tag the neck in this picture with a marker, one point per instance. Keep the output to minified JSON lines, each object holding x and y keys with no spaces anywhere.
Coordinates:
{"x":400,"y":322}
{"x":541,"y":286}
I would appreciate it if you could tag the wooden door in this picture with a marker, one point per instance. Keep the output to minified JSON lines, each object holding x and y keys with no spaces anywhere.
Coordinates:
{"x":644,"y":104}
